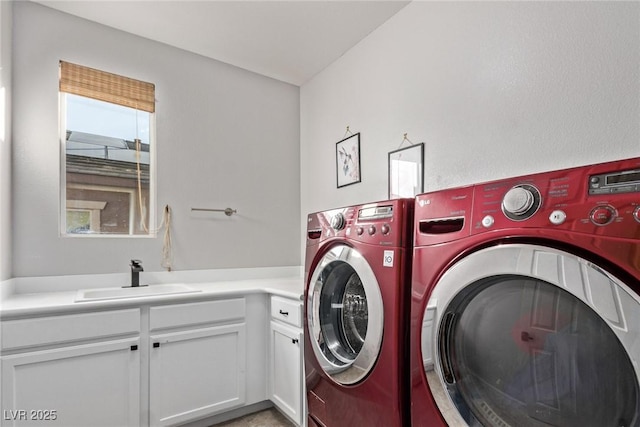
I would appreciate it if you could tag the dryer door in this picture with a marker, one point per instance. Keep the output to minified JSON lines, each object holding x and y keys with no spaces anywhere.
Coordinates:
{"x":523,"y":335}
{"x":344,"y":315}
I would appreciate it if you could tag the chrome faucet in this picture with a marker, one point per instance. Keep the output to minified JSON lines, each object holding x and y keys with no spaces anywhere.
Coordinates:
{"x":136,"y":268}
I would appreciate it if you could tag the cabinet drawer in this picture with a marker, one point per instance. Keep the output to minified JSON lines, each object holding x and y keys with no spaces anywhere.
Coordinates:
{"x":173,"y":316}
{"x":51,"y":330}
{"x":286,"y":310}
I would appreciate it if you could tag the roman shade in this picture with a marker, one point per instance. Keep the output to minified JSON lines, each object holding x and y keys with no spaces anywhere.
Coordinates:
{"x":108,"y":87}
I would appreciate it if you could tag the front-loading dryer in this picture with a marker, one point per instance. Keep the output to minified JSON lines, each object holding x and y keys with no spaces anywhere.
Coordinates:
{"x":525,"y":301}
{"x":357,"y":274}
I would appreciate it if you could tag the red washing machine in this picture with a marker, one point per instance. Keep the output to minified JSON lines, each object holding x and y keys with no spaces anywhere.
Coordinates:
{"x":358,"y":280}
{"x":525,"y":307}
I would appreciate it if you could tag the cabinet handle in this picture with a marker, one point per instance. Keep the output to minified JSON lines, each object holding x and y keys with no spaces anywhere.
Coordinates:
{"x":284,"y":313}
{"x":156,"y":344}
{"x":134,"y":347}
{"x":294,"y":340}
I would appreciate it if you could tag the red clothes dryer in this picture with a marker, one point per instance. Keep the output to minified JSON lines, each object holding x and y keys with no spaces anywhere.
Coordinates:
{"x":525,"y":301}
{"x":357,"y":275}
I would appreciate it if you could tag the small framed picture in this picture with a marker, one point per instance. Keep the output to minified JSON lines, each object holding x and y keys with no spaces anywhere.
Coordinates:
{"x":348,"y":160}
{"x":406,"y":174}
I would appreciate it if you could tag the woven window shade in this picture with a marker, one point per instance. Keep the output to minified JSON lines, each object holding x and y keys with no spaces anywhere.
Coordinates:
{"x":103,"y":86}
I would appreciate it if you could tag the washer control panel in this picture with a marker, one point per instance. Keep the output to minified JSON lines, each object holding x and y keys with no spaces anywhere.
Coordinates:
{"x":379,"y":223}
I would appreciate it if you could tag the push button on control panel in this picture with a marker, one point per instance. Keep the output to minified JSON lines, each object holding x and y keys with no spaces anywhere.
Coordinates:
{"x":602,"y":215}
{"x":488,"y":221}
{"x":557,"y":217}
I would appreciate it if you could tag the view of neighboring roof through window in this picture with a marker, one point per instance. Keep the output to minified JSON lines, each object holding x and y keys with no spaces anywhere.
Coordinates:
{"x":104,"y":130}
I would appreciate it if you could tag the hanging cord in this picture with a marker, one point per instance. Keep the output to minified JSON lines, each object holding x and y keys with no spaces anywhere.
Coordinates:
{"x":348,"y":132}
{"x":141,"y":209}
{"x":167,"y":256}
{"x":166,"y":217}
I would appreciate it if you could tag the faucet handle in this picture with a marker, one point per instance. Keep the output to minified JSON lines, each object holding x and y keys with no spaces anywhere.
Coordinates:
{"x":136,"y":263}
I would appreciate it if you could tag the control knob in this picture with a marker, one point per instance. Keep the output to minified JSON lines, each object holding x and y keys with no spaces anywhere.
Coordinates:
{"x":602,"y":215}
{"x":338,"y":221}
{"x":636,"y":214}
{"x":521,"y":202}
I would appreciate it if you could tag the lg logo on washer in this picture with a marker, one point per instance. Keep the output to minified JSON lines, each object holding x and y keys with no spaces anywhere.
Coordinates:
{"x":388,"y":259}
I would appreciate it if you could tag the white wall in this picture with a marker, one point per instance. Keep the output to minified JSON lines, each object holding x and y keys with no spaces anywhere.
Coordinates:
{"x":226,"y":138}
{"x":494,"y":89}
{"x":5,"y":139}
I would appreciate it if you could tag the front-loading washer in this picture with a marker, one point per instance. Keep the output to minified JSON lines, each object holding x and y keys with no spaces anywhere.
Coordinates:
{"x":525,"y":301}
{"x":357,"y":275}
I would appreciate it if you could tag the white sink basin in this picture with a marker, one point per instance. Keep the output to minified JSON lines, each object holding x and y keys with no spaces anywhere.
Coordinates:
{"x":85,"y":295}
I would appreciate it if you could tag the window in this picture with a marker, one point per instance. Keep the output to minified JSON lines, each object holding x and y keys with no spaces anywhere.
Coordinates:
{"x":107,"y":129}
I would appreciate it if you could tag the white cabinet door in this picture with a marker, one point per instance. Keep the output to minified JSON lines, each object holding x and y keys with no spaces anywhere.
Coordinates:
{"x":196,"y":373}
{"x":286,"y":370}
{"x":85,"y":385}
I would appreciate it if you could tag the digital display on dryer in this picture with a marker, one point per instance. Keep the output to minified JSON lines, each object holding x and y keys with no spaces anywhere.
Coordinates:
{"x":623,"y":178}
{"x":610,"y":183}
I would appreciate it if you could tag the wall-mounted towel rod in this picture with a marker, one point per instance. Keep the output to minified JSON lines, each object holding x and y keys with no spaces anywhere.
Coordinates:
{"x":227,"y":211}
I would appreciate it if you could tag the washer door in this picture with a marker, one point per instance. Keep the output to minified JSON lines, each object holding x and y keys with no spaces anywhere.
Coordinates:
{"x":523,"y":335}
{"x":344,"y":315}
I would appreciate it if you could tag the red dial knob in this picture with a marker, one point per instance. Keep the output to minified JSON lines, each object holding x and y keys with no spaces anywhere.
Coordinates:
{"x":372,"y":230}
{"x":385,"y":229}
{"x":338,"y":222}
{"x":602,"y":215}
{"x":636,"y":214}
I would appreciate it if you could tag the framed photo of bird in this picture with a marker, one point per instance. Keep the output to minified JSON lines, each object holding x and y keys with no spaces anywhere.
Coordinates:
{"x":348,"y":160}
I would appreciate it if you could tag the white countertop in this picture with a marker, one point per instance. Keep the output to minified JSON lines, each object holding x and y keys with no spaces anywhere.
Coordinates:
{"x":19,"y":304}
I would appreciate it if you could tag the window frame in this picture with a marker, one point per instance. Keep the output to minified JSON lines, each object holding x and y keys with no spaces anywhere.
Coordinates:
{"x":151,"y":206}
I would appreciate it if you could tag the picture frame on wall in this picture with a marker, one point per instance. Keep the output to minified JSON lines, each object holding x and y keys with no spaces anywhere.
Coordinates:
{"x":406,"y":172}
{"x":348,"y":160}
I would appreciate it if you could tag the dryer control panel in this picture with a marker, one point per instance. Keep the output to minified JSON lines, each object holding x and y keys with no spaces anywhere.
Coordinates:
{"x":602,"y":199}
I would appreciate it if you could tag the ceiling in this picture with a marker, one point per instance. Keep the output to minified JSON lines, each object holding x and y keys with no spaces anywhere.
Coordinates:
{"x":286,"y":40}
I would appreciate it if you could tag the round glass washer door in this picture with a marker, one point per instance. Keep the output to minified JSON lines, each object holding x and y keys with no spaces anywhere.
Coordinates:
{"x":344,"y":315}
{"x":522,"y":335}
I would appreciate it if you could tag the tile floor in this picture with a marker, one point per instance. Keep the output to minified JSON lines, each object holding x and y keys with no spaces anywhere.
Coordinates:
{"x":267,"y":418}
